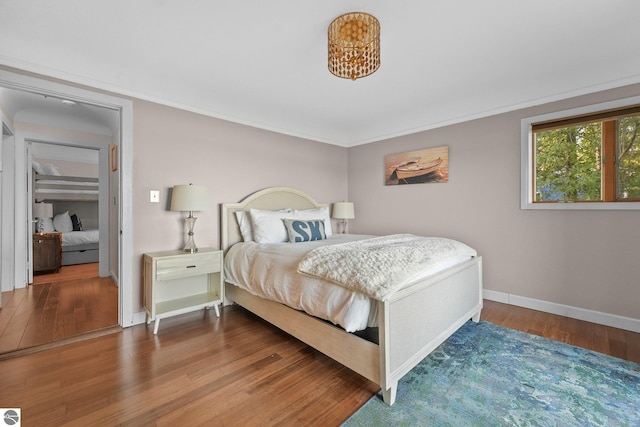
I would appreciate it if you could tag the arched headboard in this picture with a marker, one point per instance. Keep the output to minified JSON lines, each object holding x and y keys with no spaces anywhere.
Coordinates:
{"x":271,"y":199}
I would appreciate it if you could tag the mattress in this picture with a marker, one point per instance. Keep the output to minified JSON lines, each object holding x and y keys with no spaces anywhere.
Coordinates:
{"x":269,"y":270}
{"x":80,"y":237}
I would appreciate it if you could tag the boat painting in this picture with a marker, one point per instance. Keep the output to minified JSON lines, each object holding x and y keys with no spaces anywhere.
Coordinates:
{"x":415,"y":168}
{"x":424,"y":166}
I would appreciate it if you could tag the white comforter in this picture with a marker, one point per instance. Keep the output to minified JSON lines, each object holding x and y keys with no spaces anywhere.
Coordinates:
{"x":380,"y":266}
{"x":269,"y":270}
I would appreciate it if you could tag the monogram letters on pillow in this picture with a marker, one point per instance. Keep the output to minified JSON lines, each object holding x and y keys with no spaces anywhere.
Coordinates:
{"x":305,"y":230}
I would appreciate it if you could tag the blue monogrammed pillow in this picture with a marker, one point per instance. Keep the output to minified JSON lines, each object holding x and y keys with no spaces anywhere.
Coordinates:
{"x":304,"y":230}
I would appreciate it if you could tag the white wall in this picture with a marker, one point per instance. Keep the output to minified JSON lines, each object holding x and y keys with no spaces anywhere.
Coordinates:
{"x":581,"y":259}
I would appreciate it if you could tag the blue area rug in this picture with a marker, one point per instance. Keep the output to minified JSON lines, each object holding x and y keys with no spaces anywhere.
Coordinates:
{"x":487,"y":375}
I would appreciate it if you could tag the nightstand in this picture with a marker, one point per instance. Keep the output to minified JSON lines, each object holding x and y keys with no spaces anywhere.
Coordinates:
{"x":47,"y":252}
{"x":177,"y":282}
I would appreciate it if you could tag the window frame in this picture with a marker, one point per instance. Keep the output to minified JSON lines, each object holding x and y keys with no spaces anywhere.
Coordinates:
{"x":527,"y":166}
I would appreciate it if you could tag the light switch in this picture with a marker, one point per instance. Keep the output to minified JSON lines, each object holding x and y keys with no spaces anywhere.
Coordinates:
{"x":154,"y":196}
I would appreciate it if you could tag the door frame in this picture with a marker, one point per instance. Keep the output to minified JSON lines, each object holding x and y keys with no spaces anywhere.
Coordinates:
{"x":124,"y":230}
{"x":104,"y":269}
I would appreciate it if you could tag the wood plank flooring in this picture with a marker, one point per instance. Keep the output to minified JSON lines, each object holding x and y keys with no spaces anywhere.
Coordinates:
{"x":236,"y":370}
{"x":57,"y":306}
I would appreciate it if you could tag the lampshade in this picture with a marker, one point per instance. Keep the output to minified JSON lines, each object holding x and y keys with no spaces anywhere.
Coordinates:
{"x":354,"y":45}
{"x":42,"y":210}
{"x":343,"y":210}
{"x":189,"y":198}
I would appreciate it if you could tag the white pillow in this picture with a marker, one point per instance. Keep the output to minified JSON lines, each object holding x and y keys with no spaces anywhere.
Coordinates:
{"x":316,"y":213}
{"x":244,"y":222}
{"x":51,"y":169}
{"x":38,"y":168}
{"x":268,"y":226}
{"x":62,"y":222}
{"x":246,"y":227}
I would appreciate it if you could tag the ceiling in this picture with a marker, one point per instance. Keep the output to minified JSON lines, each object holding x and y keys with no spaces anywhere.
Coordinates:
{"x":264,"y":64}
{"x":46,"y":110}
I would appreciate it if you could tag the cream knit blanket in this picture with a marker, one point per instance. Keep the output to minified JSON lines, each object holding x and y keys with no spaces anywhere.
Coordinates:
{"x":379,"y":266}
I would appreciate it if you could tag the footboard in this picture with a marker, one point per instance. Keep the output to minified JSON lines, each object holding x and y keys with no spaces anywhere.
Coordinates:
{"x":417,"y":319}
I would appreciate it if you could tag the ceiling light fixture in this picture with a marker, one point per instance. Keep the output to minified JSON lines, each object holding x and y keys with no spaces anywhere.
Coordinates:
{"x":354,"y":45}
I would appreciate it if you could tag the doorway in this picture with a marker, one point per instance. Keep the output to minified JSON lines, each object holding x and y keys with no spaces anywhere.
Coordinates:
{"x":119,"y":227}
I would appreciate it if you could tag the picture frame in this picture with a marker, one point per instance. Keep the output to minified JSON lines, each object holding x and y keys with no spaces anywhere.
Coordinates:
{"x":426,"y":166}
{"x":113,"y":156}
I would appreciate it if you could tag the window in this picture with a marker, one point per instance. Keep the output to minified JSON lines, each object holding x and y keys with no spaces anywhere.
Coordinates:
{"x":583,"y":159}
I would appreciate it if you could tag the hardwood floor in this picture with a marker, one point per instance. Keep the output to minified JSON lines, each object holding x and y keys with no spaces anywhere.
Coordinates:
{"x":57,"y":306}
{"x":604,"y":339}
{"x":233,"y":371}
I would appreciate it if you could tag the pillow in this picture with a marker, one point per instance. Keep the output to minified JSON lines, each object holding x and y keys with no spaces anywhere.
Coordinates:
{"x":45,"y":225}
{"x":51,"y":169}
{"x":38,"y":168}
{"x":316,"y":213}
{"x":62,"y":222}
{"x":75,"y":222}
{"x":268,"y":226}
{"x":304,"y":230}
{"x":244,"y":222}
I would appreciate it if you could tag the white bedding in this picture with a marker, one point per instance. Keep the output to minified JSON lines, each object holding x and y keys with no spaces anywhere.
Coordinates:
{"x":80,"y":237}
{"x":380,"y":266}
{"x":269,"y":270}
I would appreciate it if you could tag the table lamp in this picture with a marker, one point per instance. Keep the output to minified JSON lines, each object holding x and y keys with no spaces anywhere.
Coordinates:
{"x":190,"y":198}
{"x":42,"y":211}
{"x":343,"y":211}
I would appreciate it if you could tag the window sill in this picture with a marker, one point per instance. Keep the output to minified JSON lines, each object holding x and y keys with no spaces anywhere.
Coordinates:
{"x":585,"y":206}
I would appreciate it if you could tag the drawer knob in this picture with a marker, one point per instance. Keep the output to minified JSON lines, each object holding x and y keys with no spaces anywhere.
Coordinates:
{"x":191,"y":266}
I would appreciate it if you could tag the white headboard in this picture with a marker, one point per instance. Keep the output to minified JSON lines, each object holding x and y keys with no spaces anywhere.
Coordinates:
{"x":271,"y":199}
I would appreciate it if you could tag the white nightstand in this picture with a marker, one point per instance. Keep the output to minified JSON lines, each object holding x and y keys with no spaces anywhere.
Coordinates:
{"x":177,"y":282}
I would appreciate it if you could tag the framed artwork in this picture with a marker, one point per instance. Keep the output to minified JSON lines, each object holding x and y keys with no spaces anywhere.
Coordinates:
{"x":114,"y":158}
{"x":430,"y":165}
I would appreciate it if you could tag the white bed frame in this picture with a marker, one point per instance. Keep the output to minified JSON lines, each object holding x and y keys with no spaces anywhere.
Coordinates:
{"x":412,"y":322}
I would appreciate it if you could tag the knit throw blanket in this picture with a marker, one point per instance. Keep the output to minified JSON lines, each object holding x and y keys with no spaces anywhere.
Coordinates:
{"x":379,"y":266}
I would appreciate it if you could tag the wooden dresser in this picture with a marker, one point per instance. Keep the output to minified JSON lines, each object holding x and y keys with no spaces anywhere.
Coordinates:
{"x":47,"y":252}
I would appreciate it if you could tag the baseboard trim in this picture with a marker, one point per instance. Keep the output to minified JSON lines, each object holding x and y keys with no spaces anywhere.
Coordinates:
{"x":607,"y":319}
{"x":139,"y":318}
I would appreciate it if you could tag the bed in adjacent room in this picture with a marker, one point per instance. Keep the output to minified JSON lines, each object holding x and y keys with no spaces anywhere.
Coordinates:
{"x":75,"y":201}
{"x":57,"y":187}
{"x":376,"y":324}
{"x":80,"y":247}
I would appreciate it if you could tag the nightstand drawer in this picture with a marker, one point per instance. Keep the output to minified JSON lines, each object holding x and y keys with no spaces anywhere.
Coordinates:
{"x":173,"y":268}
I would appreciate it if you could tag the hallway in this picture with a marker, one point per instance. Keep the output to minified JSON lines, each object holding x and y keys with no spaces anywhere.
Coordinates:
{"x":57,"y":306}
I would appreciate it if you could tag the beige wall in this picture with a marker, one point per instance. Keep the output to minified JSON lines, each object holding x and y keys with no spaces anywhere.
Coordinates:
{"x":177,"y":147}
{"x":585,"y":259}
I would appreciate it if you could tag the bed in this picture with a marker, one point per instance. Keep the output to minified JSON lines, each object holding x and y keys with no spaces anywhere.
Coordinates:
{"x":71,"y":195}
{"x":411,"y":323}
{"x":80,"y":247}
{"x":57,"y":187}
